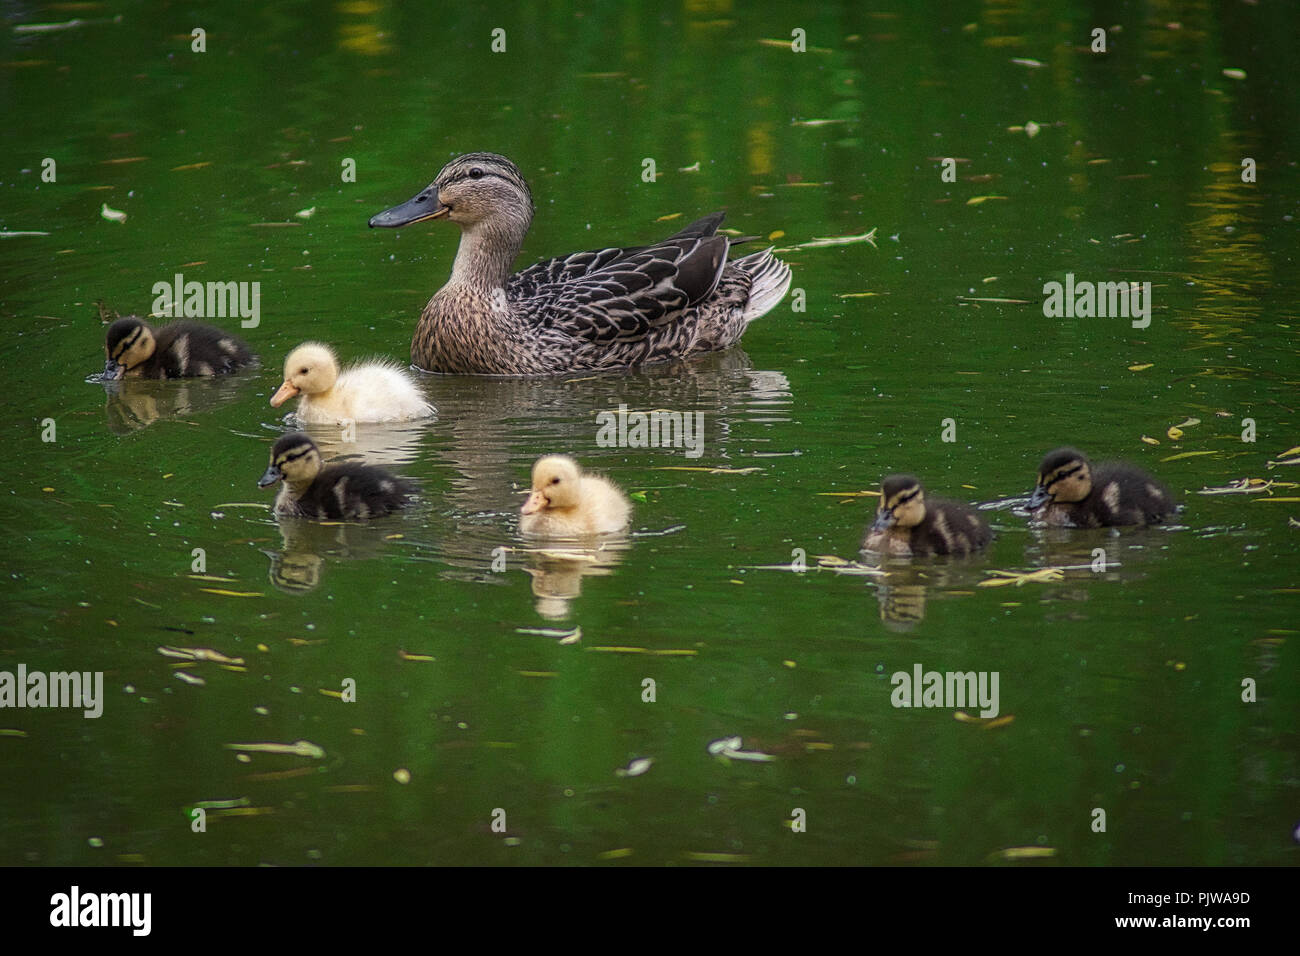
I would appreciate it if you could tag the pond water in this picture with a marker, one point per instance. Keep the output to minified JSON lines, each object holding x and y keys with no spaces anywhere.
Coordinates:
{"x":500,"y":691}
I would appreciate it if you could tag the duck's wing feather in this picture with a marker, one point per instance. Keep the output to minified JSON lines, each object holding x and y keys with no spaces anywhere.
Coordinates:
{"x":633,"y":294}
{"x":526,"y":283}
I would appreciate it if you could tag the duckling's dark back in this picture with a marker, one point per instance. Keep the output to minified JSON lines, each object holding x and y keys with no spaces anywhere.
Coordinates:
{"x":949,"y":527}
{"x":185,"y":349}
{"x":348,"y":491}
{"x":1122,"y":494}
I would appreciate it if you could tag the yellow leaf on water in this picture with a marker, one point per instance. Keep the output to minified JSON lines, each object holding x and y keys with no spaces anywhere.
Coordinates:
{"x":1188,"y":454}
{"x":1150,"y":441}
{"x":224,"y":593}
{"x":1174,"y":432}
{"x":776,"y":234}
{"x":1140,"y":368}
{"x":668,"y":218}
{"x":976,"y":200}
{"x":1025,"y":853}
{"x":177,"y":169}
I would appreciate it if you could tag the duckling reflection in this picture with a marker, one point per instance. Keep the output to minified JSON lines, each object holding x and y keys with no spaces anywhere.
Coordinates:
{"x":388,"y":445}
{"x":297,"y":567}
{"x":557,"y":573}
{"x":906,"y":589}
{"x":136,"y":403}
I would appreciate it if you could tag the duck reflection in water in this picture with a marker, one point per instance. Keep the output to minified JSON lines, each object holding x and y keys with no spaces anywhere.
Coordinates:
{"x":136,"y":403}
{"x":298,"y":566}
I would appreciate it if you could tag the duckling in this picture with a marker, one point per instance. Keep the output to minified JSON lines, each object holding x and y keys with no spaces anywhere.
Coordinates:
{"x":342,"y":492}
{"x":907,"y":523}
{"x":566,"y":502}
{"x":1073,"y":492}
{"x":172,"y":350}
{"x":375,"y":391}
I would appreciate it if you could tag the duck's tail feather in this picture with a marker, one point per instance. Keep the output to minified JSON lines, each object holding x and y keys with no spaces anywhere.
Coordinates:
{"x":769,"y":280}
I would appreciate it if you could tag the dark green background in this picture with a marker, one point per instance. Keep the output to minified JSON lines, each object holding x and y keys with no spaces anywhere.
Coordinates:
{"x":1125,"y":686}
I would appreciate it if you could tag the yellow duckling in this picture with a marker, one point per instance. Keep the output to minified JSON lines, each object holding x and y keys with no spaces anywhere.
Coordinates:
{"x":1073,"y":492}
{"x":346,"y":491}
{"x":568,"y":503}
{"x":909,"y":524}
{"x":374,"y":391}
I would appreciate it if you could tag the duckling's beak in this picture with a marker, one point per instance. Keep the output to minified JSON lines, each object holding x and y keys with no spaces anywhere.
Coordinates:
{"x":1040,"y":497}
{"x":536,"y":502}
{"x":272,"y":475}
{"x":286,"y":392}
{"x":884,"y":521}
{"x":113,"y":371}
{"x":425,"y":205}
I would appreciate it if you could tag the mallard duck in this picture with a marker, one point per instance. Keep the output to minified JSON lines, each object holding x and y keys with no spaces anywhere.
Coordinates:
{"x":178,"y":349}
{"x":566,"y":502}
{"x":908,"y":523}
{"x":1073,"y":492}
{"x":374,"y":391}
{"x":607,"y":309}
{"x":343,"y":492}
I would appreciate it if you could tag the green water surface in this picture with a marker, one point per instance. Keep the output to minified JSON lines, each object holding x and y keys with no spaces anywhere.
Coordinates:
{"x":1120,"y":690}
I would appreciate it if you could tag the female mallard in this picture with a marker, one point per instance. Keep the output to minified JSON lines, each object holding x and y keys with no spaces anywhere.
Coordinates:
{"x":1073,"y":492}
{"x":342,"y":492}
{"x":172,"y":350}
{"x":908,"y":523}
{"x":608,"y":309}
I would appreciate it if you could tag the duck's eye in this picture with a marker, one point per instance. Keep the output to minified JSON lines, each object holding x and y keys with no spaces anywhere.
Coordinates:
{"x":475,"y":173}
{"x":555,"y":481}
{"x":302,"y":371}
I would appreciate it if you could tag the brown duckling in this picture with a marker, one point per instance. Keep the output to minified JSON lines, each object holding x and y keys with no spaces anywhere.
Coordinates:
{"x":568,"y":503}
{"x":342,"y":492}
{"x":1073,"y":492}
{"x":907,"y":523}
{"x":178,"y":349}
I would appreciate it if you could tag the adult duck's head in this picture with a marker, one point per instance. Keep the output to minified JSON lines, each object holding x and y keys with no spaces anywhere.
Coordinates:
{"x":479,"y":191}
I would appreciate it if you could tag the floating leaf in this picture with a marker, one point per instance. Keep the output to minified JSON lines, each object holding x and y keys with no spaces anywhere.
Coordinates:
{"x":1141,"y":368}
{"x":224,"y":593}
{"x":1234,"y":74}
{"x":669,"y":218}
{"x":306,"y":213}
{"x":976,"y":200}
{"x":1041,"y":576}
{"x":818,"y":242}
{"x":635,"y":768}
{"x":112,"y":215}
{"x":1150,"y":441}
{"x":1025,"y":61}
{"x":1174,"y":432}
{"x":1188,"y":454}
{"x":1024,"y":853}
{"x":299,"y":748}
{"x":1032,"y":129}
{"x":177,"y":169}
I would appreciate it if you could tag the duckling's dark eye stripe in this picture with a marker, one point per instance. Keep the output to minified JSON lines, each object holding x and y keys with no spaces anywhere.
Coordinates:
{"x":127,"y":342}
{"x":1062,"y":475}
{"x":294,"y":455}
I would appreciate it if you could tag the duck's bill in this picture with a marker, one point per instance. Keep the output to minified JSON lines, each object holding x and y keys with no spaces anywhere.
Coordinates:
{"x":1039,"y":498}
{"x":272,"y":475}
{"x":113,"y":371}
{"x":417,"y":209}
{"x":285,"y":393}
{"x":536,"y":502}
{"x":884,"y":521}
